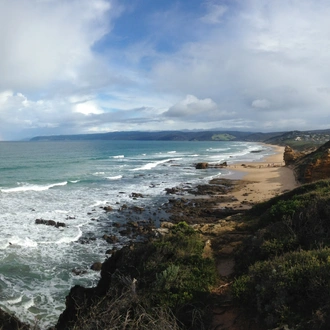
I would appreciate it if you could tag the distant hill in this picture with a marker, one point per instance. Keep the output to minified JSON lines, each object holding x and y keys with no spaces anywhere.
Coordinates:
{"x":296,"y":139}
{"x":300,"y":140}
{"x":156,"y":136}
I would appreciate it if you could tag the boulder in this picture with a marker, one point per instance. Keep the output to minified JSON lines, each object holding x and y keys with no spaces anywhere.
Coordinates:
{"x":136,"y":195}
{"x":107,"y":208}
{"x":110,"y":239}
{"x":202,"y":166}
{"x":97,"y":266}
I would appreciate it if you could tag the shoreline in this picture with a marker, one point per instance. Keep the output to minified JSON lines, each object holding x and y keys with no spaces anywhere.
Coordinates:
{"x":262,"y":180}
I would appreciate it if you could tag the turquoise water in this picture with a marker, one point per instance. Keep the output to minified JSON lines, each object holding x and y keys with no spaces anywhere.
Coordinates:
{"x":69,"y":182}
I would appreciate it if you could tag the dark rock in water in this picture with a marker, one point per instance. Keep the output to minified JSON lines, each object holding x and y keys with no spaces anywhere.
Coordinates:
{"x":123,"y":207}
{"x":79,"y":271}
{"x":172,"y":191}
{"x":50,"y":223}
{"x":97,"y":266}
{"x":201,"y":166}
{"x":108,"y":208}
{"x":110,"y":239}
{"x":136,"y":195}
{"x":137,"y":209}
{"x":133,"y":224}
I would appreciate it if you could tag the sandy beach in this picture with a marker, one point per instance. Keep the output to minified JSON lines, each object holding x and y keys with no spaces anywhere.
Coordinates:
{"x":262,"y":180}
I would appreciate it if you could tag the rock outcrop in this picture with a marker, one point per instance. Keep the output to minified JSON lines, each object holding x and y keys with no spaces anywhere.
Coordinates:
{"x":10,"y":322}
{"x":50,"y":223}
{"x":290,"y":156}
{"x":314,"y":166}
{"x":319,"y":169}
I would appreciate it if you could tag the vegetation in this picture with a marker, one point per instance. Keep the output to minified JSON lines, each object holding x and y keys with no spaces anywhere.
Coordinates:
{"x":223,"y":137}
{"x":163,"y":284}
{"x":283,"y":269}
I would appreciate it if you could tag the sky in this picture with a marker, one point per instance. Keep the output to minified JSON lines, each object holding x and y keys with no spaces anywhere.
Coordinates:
{"x":89,"y":66}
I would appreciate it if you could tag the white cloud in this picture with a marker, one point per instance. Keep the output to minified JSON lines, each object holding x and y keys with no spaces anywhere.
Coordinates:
{"x":214,"y":14}
{"x":63,"y":71}
{"x":191,"y":106}
{"x":87,"y":108}
{"x":261,"y":104}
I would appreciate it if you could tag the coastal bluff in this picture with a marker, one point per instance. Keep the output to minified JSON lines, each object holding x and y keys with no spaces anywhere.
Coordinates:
{"x":309,"y":167}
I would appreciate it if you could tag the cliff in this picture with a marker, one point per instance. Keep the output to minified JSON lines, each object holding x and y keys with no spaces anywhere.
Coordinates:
{"x":310,"y":167}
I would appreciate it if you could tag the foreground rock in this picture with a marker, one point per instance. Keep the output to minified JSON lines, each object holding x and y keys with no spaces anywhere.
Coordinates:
{"x":10,"y":322}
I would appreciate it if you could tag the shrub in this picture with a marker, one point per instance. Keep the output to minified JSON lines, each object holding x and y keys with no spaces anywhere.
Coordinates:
{"x":288,"y":289}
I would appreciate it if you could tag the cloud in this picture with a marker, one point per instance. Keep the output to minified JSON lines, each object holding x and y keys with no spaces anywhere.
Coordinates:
{"x":79,"y":66}
{"x":214,"y":14}
{"x":48,"y":41}
{"x":87,"y":108}
{"x":261,"y":104}
{"x":191,"y":106}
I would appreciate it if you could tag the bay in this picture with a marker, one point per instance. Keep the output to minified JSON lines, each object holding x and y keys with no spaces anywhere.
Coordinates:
{"x":71,"y":182}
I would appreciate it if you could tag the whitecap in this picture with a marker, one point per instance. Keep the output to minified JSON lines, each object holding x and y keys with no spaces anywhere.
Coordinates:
{"x":171,"y":152}
{"x":118,"y":157}
{"x":149,"y":166}
{"x":74,"y":181}
{"x":117,"y":177}
{"x":28,"y":304}
{"x":68,"y":239}
{"x":32,"y":187}
{"x":15,"y":300}
{"x":98,"y":203}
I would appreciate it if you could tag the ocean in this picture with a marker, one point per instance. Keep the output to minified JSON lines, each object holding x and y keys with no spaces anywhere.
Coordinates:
{"x":71,"y":182}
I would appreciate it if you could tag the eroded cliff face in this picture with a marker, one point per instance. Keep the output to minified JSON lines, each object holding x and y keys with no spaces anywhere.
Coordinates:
{"x":319,"y":168}
{"x":309,"y":167}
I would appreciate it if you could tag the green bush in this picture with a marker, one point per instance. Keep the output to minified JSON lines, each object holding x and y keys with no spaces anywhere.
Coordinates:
{"x":289,"y":289}
{"x":162,"y":284}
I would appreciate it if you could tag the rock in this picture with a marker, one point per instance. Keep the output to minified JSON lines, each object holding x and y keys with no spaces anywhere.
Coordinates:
{"x":171,"y":191}
{"x":290,"y":156}
{"x":123,"y":207}
{"x":79,"y":271}
{"x":10,"y":322}
{"x":318,"y":169}
{"x":107,"y":208}
{"x":97,"y":266}
{"x":50,"y":223}
{"x":201,"y":166}
{"x":110,"y":239}
{"x":138,"y":209}
{"x":110,"y":251}
{"x":136,"y":195}
{"x":167,"y":224}
{"x":160,"y":232}
{"x":133,"y":224}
